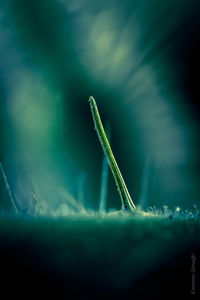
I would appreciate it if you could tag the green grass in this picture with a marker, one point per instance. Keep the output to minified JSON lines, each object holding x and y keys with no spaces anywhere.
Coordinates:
{"x":120,"y":183}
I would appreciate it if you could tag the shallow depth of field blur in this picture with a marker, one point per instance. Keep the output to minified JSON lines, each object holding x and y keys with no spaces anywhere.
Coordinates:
{"x":140,"y":61}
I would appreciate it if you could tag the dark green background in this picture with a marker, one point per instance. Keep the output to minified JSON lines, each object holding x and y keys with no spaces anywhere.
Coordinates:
{"x":139,"y":59}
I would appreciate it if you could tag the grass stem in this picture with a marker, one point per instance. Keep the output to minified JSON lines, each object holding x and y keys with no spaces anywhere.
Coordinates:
{"x":10,"y":195}
{"x":37,"y":203}
{"x":104,"y":175}
{"x":121,"y":186}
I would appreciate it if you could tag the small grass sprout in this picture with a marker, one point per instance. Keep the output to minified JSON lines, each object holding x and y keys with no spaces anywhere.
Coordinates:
{"x":121,"y":186}
{"x":10,"y":194}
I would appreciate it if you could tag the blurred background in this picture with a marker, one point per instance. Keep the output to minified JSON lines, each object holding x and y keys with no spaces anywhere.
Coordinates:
{"x":140,"y":61}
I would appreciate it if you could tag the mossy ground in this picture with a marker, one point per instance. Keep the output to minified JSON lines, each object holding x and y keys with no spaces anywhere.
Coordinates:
{"x":98,"y":256}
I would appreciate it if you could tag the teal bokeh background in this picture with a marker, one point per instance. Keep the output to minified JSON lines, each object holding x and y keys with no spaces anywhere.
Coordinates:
{"x":139,"y":59}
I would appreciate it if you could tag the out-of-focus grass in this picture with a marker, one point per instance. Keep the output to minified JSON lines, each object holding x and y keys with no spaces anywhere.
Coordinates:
{"x":92,"y":256}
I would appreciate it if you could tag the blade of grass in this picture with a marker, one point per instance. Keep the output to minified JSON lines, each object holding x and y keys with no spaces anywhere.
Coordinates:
{"x":37,"y":203}
{"x":10,"y":195}
{"x":145,"y":186}
{"x":104,"y":176}
{"x":121,"y":186}
{"x":81,"y":182}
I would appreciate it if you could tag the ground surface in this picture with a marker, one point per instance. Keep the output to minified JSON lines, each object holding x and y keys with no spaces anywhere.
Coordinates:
{"x":91,"y":257}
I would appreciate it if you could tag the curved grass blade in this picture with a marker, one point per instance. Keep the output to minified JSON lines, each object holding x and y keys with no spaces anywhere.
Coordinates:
{"x":121,"y":186}
{"x":104,"y":175}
